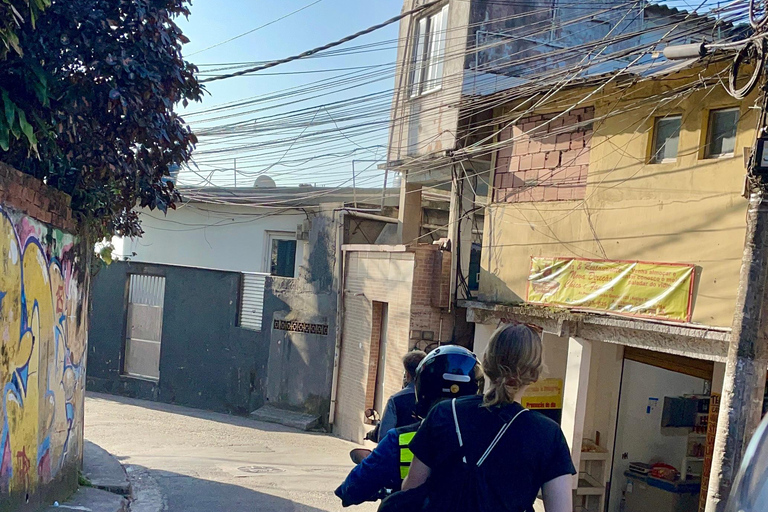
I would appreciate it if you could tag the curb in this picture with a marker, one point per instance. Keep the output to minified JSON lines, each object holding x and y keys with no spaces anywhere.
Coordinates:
{"x":147,"y":496}
{"x":104,"y":471}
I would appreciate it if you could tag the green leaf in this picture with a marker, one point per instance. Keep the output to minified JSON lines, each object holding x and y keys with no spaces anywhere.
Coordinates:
{"x":28,"y":130}
{"x":5,"y":142}
{"x":10,"y":108}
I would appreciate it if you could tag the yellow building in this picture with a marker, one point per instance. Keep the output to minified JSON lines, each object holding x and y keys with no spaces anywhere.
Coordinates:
{"x":613,"y":186}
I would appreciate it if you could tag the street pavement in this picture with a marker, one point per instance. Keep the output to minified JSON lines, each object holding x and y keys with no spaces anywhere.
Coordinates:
{"x":203,"y":461}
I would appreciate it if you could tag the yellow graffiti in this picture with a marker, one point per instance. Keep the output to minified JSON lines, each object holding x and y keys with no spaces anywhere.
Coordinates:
{"x":42,"y":344}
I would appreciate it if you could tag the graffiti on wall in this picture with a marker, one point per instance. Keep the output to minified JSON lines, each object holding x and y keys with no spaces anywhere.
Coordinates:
{"x":43,"y":312}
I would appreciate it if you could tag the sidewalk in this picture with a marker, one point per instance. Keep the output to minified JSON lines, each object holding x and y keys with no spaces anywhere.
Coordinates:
{"x":110,"y":489}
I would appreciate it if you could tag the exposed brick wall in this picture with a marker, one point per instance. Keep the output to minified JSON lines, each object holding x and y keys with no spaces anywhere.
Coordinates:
{"x":431,"y":293}
{"x":34,"y":198}
{"x":544,"y":162}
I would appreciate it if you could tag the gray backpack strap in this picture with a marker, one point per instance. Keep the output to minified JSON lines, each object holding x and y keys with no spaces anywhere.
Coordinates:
{"x":498,"y":437}
{"x":458,"y":430}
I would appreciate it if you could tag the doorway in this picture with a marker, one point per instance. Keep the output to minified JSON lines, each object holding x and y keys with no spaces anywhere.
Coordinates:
{"x":641,"y":435}
{"x":375,"y":394}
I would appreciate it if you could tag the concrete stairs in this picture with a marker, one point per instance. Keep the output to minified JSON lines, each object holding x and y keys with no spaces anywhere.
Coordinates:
{"x":297,"y":420}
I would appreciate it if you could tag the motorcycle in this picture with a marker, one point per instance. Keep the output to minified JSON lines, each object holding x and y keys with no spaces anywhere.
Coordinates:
{"x":374,"y":419}
{"x":358,"y":455}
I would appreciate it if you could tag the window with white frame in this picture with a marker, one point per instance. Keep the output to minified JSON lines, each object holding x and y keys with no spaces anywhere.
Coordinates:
{"x":721,"y":134}
{"x":281,"y":254}
{"x":666,"y":137}
{"x":429,"y":52}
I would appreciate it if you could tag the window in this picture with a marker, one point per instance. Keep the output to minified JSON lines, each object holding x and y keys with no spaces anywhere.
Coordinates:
{"x":281,"y":257}
{"x":146,"y":296}
{"x":721,"y":135}
{"x":428,"y":54}
{"x":666,"y":135}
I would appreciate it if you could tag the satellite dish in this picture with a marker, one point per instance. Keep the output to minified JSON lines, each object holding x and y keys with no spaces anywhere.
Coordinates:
{"x":264,"y":181}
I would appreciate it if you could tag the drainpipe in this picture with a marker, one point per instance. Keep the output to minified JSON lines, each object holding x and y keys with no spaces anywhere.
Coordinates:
{"x":339,"y":312}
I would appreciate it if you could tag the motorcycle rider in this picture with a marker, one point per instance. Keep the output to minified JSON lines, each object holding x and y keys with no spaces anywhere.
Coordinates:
{"x":447,"y":372}
{"x":400,"y":408}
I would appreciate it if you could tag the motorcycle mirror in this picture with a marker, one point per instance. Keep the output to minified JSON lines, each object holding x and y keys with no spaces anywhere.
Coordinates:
{"x":358,"y":454}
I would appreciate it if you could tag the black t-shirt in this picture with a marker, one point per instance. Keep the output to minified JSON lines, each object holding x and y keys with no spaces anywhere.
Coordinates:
{"x":533,"y":450}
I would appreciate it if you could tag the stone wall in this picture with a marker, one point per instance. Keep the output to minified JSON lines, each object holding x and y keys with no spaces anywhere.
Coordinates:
{"x":43,"y":337}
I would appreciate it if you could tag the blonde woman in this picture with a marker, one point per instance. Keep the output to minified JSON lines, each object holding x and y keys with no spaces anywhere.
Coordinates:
{"x":487,"y":453}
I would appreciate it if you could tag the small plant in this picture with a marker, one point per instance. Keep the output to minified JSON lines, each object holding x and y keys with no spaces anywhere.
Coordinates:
{"x":82,"y":480}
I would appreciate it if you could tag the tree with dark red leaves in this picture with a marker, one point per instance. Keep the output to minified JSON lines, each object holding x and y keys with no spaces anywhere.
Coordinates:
{"x":88,"y":106}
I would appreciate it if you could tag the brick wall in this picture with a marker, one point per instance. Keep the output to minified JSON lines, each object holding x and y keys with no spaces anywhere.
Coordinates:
{"x":431,"y":292}
{"x":544,"y":162}
{"x":34,"y":198}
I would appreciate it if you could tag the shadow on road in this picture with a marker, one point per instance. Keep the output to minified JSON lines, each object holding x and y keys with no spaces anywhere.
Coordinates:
{"x":239,"y":421}
{"x":184,"y":493}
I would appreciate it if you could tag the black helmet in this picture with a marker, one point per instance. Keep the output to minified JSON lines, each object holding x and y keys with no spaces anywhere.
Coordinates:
{"x":447,"y":372}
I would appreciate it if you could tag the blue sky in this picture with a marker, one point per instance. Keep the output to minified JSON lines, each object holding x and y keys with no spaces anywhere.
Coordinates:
{"x":214,"y":21}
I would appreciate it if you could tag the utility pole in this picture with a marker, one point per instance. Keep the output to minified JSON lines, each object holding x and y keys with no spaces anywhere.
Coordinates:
{"x":235,"y":172}
{"x":745,"y":375}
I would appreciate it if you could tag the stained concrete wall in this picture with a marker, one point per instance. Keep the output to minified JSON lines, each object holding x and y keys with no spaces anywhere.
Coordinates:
{"x":301,"y":364}
{"x":427,"y":124}
{"x":206,"y":360}
{"x":43,"y":336}
{"x":412,"y":282}
{"x":686,"y":211}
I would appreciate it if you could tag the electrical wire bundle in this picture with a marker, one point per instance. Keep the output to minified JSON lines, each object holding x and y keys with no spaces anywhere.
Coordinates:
{"x":317,"y":141}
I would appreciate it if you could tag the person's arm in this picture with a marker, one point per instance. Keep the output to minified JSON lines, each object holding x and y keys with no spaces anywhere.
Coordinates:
{"x":377,"y":471}
{"x":557,"y":494}
{"x":417,"y":475}
{"x":388,"y":419}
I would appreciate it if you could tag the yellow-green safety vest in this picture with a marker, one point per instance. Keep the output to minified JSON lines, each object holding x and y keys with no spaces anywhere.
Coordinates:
{"x":406,"y":455}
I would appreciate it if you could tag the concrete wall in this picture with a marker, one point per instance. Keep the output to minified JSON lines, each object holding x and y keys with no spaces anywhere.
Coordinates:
{"x":206,"y":360}
{"x":687,"y":211}
{"x":300,"y":364}
{"x":43,"y":336}
{"x":288,"y":369}
{"x":412,"y":282}
{"x":428,"y":123}
{"x":210,"y":236}
{"x":371,"y":276}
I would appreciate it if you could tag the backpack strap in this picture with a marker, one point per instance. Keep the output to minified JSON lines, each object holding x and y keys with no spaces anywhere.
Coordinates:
{"x":458,"y":430}
{"x":498,"y":437}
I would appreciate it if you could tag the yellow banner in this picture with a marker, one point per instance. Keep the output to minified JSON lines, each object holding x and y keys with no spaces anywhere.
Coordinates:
{"x":545,"y":394}
{"x":657,"y":290}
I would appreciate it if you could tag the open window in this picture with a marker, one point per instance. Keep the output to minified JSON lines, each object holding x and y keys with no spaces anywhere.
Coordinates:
{"x":429,"y":52}
{"x":281,"y":254}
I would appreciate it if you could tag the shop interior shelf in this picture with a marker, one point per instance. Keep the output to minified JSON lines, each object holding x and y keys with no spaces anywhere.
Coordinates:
{"x":588,"y":485}
{"x":594,"y":455}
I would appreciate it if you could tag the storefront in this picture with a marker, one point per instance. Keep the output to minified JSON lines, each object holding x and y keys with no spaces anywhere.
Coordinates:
{"x":631,"y":396}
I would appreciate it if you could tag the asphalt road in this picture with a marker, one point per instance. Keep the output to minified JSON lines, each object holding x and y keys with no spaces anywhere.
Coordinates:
{"x":194,"y":460}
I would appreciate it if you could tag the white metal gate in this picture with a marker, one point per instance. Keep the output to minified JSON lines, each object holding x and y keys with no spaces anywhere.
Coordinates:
{"x":146,"y":295}
{"x":252,"y":301}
